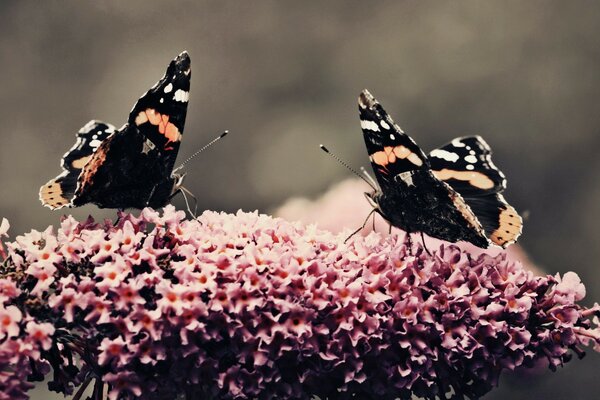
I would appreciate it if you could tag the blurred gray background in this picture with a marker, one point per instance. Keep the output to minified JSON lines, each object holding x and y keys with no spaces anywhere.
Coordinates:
{"x":284,"y":77}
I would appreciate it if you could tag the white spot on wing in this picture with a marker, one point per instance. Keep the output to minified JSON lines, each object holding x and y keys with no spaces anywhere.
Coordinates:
{"x":369,"y":125}
{"x":444,"y":155}
{"x":384,"y":124}
{"x":392,"y":136}
{"x":470,"y":167}
{"x":95,"y":143}
{"x":168,"y":88}
{"x":181,"y":96}
{"x":407,"y":178}
{"x":457,"y":143}
{"x":471,"y":159}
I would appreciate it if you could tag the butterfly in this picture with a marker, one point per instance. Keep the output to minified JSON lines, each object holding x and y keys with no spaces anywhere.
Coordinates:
{"x":454,"y":193}
{"x":131,"y":167}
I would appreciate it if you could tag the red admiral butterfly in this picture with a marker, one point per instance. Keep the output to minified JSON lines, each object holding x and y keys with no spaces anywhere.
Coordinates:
{"x":453,"y":194}
{"x":131,"y":167}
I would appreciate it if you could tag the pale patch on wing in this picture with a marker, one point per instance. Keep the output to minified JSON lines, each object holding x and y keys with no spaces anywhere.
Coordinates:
{"x":81,"y":162}
{"x":181,"y":96}
{"x":369,"y":125}
{"x":51,"y":195}
{"x":389,"y":155}
{"x":471,"y":159}
{"x":444,"y":155}
{"x":458,"y":142}
{"x":415,"y":159}
{"x":475,"y":178}
{"x":406,"y":177}
{"x":166,"y":128}
{"x":141,"y":118}
{"x":509,"y":229}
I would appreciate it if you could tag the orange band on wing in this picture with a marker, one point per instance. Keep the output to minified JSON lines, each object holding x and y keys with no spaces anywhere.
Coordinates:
{"x":80,"y":162}
{"x":390,"y":154}
{"x":476,"y":179}
{"x":166,"y":128}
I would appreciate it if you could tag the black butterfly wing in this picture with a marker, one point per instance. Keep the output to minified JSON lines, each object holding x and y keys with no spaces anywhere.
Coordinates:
{"x":466,"y":165}
{"x":59,"y":192}
{"x":393,"y":153}
{"x":134,"y":168}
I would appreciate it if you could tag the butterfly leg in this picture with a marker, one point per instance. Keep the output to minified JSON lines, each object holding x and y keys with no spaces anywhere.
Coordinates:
{"x":120,"y":212}
{"x":151,"y":194}
{"x":408,"y":242}
{"x":423,"y":242}
{"x":187,"y":204}
{"x":374,"y":222}
{"x":363,"y":225}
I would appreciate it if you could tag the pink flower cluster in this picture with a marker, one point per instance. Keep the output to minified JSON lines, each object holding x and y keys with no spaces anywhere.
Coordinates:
{"x":246,"y":306}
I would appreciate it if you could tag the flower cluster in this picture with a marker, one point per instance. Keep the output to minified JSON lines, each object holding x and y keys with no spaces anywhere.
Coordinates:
{"x":246,"y":306}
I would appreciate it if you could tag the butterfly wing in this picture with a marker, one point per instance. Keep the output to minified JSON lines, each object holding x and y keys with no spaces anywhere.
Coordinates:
{"x":392,"y":153}
{"x":466,"y":165}
{"x":59,"y":192}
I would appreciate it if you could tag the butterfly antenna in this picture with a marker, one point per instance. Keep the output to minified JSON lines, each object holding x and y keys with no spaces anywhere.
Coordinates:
{"x":347,"y":166}
{"x":206,"y":146}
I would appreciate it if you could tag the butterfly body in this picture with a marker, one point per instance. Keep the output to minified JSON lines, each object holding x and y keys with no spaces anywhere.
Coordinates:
{"x":454,"y":194}
{"x":432,"y":212}
{"x":123,"y":175}
{"x":131,"y":167}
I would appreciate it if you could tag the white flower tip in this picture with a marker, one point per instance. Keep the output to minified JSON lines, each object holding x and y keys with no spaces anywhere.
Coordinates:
{"x":4,"y":227}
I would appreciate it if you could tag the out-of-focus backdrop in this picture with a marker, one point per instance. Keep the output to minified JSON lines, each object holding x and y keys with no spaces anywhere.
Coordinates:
{"x":284,"y":76}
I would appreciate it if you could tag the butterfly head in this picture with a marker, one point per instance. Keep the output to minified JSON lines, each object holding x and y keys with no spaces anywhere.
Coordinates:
{"x":177,"y":182}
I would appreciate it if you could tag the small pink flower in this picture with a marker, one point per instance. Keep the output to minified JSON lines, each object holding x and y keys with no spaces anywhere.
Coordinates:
{"x":569,"y":288}
{"x":8,"y":290}
{"x":44,"y":272}
{"x":41,"y":333}
{"x":112,"y":272}
{"x":9,"y":321}
{"x":113,"y":350}
{"x":126,"y":295}
{"x":123,"y":384}
{"x":66,"y":301}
